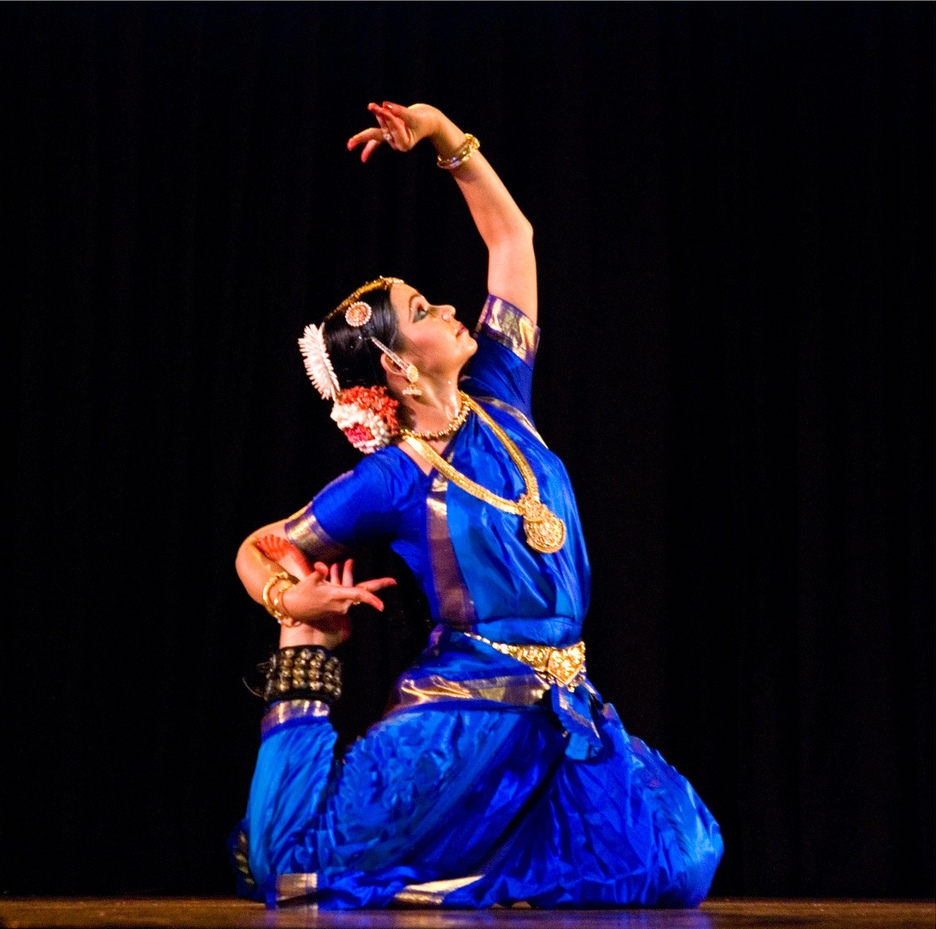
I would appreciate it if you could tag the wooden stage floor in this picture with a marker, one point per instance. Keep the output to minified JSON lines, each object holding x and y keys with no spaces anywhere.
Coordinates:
{"x":226,"y":913}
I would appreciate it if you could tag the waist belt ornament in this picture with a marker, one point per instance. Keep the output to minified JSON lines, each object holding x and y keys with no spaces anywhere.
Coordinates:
{"x":457,"y":667}
{"x":562,"y":666}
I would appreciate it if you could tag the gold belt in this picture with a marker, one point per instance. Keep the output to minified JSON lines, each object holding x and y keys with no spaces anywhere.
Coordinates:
{"x":563,"y":666}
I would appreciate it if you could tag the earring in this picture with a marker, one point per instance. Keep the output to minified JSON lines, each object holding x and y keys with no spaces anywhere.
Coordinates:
{"x":409,"y":371}
{"x":412,"y":375}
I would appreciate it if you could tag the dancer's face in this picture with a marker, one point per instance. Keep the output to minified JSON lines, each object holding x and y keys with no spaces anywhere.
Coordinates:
{"x":433,"y":339}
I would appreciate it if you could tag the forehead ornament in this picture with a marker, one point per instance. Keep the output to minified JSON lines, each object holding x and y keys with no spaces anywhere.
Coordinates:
{"x":380,"y":283}
{"x":358,"y":314}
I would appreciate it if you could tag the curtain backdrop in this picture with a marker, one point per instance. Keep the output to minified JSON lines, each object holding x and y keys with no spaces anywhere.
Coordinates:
{"x":733,"y":206}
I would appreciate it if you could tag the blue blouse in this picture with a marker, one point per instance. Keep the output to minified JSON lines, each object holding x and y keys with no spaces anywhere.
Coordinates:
{"x":471,"y":559}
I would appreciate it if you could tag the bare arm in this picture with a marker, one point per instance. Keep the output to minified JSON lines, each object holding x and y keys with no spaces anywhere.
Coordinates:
{"x":316,"y":596}
{"x":506,"y":232}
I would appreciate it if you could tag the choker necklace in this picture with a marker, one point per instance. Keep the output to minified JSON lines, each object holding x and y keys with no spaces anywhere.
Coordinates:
{"x":455,"y":423}
{"x":545,"y":532}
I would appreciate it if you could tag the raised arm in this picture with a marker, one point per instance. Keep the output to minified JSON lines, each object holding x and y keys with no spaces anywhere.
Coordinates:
{"x":506,"y":232}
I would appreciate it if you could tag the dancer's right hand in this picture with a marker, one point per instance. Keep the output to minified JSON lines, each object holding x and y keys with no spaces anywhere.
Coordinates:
{"x":320,"y":603}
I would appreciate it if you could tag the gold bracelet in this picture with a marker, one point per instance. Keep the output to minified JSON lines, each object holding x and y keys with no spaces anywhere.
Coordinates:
{"x":274,"y":605}
{"x":470,"y":146}
{"x":283,"y":616}
{"x":271,"y":580}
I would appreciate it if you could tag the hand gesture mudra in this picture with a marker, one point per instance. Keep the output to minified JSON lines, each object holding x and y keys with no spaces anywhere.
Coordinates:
{"x":400,"y":127}
{"x":321,"y":600}
{"x":330,"y":590}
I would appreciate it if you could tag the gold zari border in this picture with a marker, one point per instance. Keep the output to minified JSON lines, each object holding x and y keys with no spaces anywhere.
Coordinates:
{"x":432,"y":893}
{"x":285,"y":711}
{"x":506,"y":324}
{"x":452,"y":593}
{"x":508,"y":690}
{"x":291,"y":886}
{"x":307,"y":534}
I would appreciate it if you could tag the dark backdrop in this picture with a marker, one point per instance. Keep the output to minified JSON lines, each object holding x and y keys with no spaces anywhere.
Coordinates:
{"x":733,"y":207}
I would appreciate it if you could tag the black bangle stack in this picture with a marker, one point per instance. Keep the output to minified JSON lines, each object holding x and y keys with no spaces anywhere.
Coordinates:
{"x":304,"y":672}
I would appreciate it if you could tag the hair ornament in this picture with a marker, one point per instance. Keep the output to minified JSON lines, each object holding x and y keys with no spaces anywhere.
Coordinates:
{"x":317,"y":363}
{"x":358,"y":314}
{"x":367,"y":417}
{"x":379,"y":283}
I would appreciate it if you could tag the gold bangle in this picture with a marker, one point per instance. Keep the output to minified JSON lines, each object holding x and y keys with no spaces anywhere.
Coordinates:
{"x":273,"y":605}
{"x":468,"y":148}
{"x":271,"y":580}
{"x":283,"y":616}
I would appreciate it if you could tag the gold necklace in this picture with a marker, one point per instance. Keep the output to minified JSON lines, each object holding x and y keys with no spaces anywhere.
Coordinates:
{"x":545,"y":532}
{"x":457,"y":421}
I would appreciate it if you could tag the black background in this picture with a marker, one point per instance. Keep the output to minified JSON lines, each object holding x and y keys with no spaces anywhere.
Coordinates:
{"x":733,"y":207}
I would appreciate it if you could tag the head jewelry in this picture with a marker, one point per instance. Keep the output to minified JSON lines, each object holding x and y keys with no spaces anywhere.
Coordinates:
{"x":312,"y":344}
{"x":358,"y":314}
{"x":366,"y":415}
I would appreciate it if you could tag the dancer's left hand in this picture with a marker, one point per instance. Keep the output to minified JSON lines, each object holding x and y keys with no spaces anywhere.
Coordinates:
{"x":400,"y":127}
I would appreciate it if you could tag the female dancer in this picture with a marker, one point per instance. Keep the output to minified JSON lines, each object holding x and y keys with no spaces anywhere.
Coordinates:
{"x":497,"y":774}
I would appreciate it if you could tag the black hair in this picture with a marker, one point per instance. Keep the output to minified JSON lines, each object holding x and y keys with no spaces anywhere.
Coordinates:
{"x":353,"y":355}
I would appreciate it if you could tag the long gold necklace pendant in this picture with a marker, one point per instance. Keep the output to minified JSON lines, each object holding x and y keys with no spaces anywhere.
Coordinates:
{"x":544,"y":531}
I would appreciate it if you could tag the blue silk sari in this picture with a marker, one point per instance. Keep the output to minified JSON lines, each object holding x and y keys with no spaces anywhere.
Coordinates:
{"x":485,"y":783}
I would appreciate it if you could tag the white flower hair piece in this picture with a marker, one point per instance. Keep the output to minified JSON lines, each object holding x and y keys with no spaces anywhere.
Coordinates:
{"x":317,"y":363}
